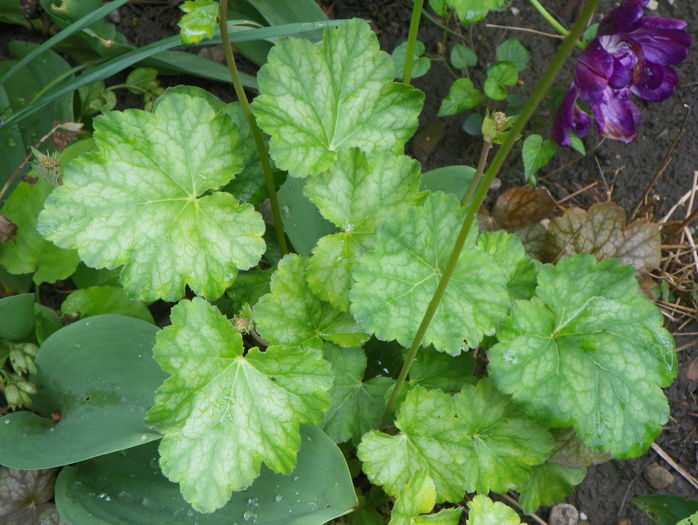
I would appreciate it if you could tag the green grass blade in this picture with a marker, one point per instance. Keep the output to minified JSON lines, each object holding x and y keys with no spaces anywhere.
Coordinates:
{"x":121,"y":62}
{"x":73,"y":28}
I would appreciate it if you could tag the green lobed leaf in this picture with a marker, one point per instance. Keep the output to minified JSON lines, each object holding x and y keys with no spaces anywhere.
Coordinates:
{"x":499,"y":77}
{"x":357,"y":405}
{"x":484,"y":511}
{"x":519,"y":269}
{"x":449,"y":179}
{"x":462,"y":57}
{"x":513,"y":51}
{"x":548,"y":485}
{"x":357,"y":194}
{"x":588,"y":352}
{"x":420,"y":63}
{"x":29,"y":252}
{"x":319,"y":99}
{"x":462,"y":95}
{"x":145,"y":200}
{"x":128,"y":489}
{"x":98,"y":300}
{"x":536,"y":153}
{"x":223,"y":408}
{"x":476,"y":440}
{"x":472,"y":11}
{"x":248,"y":288}
{"x":199,"y":22}
{"x":96,"y":376}
{"x":691,"y":520}
{"x":418,"y":498}
{"x":434,"y":369}
{"x":292,"y":315}
{"x":396,"y":280}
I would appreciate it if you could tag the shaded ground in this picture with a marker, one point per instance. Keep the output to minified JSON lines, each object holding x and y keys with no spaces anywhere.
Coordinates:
{"x":605,"y":494}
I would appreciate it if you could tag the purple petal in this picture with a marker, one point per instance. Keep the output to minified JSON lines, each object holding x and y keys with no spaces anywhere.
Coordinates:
{"x":624,"y":62}
{"x":655,"y":83}
{"x":665,"y":46}
{"x":623,"y":18}
{"x":594,"y":67}
{"x":617,"y":118}
{"x":569,"y":117}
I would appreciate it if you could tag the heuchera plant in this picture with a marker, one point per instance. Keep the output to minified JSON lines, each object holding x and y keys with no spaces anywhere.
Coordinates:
{"x":576,"y":356}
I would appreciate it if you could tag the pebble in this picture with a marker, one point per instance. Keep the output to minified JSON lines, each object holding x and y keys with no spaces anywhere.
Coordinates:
{"x":692,"y":370}
{"x":214,"y":53}
{"x":564,"y":514}
{"x":658,"y":476}
{"x":624,"y":521}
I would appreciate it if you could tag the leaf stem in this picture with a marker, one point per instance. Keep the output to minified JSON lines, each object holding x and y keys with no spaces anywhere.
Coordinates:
{"x":412,"y":40}
{"x":484,"y":154}
{"x":510,"y":138}
{"x":256,"y":132}
{"x":554,"y":23}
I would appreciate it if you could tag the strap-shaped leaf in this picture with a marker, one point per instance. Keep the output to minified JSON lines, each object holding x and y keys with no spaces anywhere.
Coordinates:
{"x":588,"y":352}
{"x":223,"y":414}
{"x":292,"y":315}
{"x":318,"y":99}
{"x":145,"y":201}
{"x":357,"y":405}
{"x":476,"y":440}
{"x":29,"y":252}
{"x":397,"y":279}
{"x":357,"y":194}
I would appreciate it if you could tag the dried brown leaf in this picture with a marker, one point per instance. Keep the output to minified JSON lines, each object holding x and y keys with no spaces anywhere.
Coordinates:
{"x":602,"y":232}
{"x":7,"y":229}
{"x":522,"y":206}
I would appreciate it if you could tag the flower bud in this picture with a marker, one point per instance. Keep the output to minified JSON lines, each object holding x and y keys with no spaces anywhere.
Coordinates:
{"x":12,"y":396}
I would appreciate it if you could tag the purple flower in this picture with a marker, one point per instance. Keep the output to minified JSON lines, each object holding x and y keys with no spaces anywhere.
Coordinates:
{"x":631,"y":55}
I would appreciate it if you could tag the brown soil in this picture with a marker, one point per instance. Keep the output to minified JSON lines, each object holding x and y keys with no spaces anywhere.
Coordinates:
{"x":605,"y":495}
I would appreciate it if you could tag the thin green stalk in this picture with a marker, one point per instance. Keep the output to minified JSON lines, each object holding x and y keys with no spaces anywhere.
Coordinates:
{"x":511,"y":137}
{"x":554,"y":23}
{"x":256,"y":133}
{"x":412,"y":40}
{"x":484,"y":154}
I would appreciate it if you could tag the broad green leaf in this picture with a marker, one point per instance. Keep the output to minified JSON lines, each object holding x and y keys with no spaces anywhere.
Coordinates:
{"x":520,"y":270}
{"x":396,"y":280}
{"x":499,"y":77}
{"x":17,"y":92}
{"x":319,"y":99}
{"x":357,"y":405}
{"x":292,"y":315}
{"x":199,"y":22}
{"x":248,"y":288}
{"x":588,"y":352}
{"x":570,"y":452}
{"x":128,"y":489}
{"x":225,"y":409}
{"x":97,"y":377}
{"x":430,"y":441}
{"x":84,"y":277}
{"x":303,"y":223}
{"x":502,"y":442}
{"x":449,"y":179}
{"x":98,"y":300}
{"x":357,"y":194}
{"x":29,"y":252}
{"x":420,"y":63}
{"x":462,"y":95}
{"x":548,"y":484}
{"x":146,"y":200}
{"x":471,"y":11}
{"x":17,"y":317}
{"x":512,"y":50}
{"x":24,"y":495}
{"x":536,"y":153}
{"x":462,"y":57}
{"x":47,"y":322}
{"x":433,"y":369}
{"x":484,"y":511}
{"x":418,"y":498}
{"x":664,"y":509}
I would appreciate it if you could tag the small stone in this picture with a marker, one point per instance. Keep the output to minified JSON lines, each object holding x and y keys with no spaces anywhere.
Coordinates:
{"x":658,"y":476}
{"x":214,"y":53}
{"x":564,"y":514}
{"x":624,"y":521}
{"x":692,"y":370}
